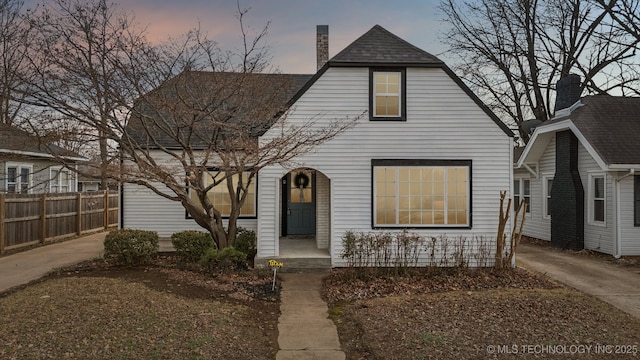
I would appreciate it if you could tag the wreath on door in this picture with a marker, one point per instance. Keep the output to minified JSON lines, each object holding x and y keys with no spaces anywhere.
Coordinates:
{"x":301,"y":180}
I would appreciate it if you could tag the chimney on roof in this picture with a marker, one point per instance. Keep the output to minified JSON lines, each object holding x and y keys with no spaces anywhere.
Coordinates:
{"x":322,"y":45}
{"x":567,"y":91}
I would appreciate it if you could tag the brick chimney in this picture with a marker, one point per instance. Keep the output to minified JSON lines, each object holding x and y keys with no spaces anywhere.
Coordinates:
{"x":567,"y":92}
{"x":322,"y":45}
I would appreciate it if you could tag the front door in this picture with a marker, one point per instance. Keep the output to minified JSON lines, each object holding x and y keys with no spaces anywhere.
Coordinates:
{"x":301,"y":203}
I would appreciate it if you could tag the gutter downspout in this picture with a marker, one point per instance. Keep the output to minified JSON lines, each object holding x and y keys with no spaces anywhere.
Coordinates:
{"x":616,"y":213}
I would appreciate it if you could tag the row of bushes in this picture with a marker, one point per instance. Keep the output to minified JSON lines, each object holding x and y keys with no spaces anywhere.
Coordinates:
{"x":403,"y":250}
{"x":132,"y":247}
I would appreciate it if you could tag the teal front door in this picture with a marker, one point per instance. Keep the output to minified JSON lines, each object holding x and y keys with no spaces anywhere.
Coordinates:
{"x":301,"y":203}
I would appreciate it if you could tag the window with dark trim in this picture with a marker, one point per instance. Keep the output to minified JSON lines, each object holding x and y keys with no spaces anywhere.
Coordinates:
{"x":421,"y":193}
{"x":636,"y":200}
{"x":597,"y":198}
{"x":387,"y":94}
{"x":219,"y":195}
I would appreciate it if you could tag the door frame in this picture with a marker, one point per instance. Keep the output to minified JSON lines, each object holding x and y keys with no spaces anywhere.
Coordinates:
{"x":284,"y":198}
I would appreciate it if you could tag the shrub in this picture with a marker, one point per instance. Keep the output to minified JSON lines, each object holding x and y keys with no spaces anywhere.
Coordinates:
{"x":228,"y":257}
{"x":191,"y":244}
{"x":246,"y":242}
{"x":130,"y":246}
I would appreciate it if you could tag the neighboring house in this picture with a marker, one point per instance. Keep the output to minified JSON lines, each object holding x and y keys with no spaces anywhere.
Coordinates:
{"x":428,"y":156}
{"x":89,"y":177}
{"x":579,"y":173}
{"x":29,"y":165}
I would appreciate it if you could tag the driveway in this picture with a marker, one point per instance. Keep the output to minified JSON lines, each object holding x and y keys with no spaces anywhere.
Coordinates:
{"x":618,"y":286}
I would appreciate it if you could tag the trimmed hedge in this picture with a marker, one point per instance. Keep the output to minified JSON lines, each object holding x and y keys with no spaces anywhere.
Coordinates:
{"x":130,"y":246}
{"x":228,"y":257}
{"x":191,"y":245}
{"x":246,"y":242}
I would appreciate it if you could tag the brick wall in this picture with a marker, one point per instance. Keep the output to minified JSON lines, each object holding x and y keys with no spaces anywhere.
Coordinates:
{"x":567,"y":195}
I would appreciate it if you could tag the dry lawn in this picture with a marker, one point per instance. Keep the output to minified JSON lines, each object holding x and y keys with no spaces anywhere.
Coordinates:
{"x":473,"y":315}
{"x":140,"y":313}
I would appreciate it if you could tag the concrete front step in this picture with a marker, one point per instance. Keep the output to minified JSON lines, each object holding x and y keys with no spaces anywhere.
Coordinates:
{"x":299,"y":265}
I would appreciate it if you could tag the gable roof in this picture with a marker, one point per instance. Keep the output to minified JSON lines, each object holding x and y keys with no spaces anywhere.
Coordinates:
{"x":608,"y":126}
{"x":379,"y":46}
{"x":611,"y":124}
{"x":15,"y":141}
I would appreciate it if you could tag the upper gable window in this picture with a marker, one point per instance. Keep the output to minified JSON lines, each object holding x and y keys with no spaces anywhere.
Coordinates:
{"x":387,"y":94}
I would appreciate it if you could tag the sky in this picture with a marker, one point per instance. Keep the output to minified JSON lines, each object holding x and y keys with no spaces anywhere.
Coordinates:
{"x":292,"y":28}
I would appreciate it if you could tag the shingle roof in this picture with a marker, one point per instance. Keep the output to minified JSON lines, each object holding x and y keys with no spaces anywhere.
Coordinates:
{"x":611,"y":124}
{"x":17,"y":141}
{"x":379,"y":46}
{"x":195,"y":105}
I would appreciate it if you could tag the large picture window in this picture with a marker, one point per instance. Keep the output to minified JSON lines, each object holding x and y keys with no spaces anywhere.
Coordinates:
{"x":219,"y":194}
{"x":18,"y":178}
{"x":421,"y":193}
{"x":387,"y":94}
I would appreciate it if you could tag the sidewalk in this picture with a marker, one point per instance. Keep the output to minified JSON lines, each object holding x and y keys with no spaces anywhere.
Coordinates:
{"x":615,"y":285}
{"x":305,"y":332}
{"x":26,"y":266}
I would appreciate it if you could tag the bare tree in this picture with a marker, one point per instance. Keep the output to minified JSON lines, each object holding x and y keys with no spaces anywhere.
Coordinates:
{"x":78,"y":75}
{"x":200,"y":130}
{"x":513,"y":52}
{"x":626,"y":13}
{"x":14,"y":40}
{"x":185,"y":115}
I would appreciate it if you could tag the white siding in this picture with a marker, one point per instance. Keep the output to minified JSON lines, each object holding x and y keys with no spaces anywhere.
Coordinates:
{"x":323,"y":203}
{"x":596,"y":237}
{"x":145,"y":210}
{"x":629,"y":234}
{"x":536,"y":225}
{"x":442,"y":123}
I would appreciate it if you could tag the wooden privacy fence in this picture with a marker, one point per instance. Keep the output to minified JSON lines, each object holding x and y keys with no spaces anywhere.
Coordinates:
{"x":27,"y":219}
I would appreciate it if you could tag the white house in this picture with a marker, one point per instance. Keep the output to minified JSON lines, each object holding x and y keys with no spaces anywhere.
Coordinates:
{"x":428,"y":156}
{"x":578,"y":173}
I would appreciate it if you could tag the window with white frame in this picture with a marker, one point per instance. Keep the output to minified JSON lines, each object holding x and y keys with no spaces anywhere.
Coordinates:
{"x":636,"y":200}
{"x":219,"y":194}
{"x":387,"y":98}
{"x":597,"y":196}
{"x":421,"y":193}
{"x":547,"y":185}
{"x":60,"y":180}
{"x":522,"y":192}
{"x":18,"y":178}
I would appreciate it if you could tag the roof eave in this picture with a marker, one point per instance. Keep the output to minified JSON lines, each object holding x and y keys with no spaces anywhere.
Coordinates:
{"x":567,"y":124}
{"x":42,"y":155}
{"x":384,"y":64}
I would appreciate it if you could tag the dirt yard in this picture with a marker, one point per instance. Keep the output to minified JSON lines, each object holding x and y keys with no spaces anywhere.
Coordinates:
{"x":475,"y":315}
{"x":155,"y":312}
{"x":166,"y":310}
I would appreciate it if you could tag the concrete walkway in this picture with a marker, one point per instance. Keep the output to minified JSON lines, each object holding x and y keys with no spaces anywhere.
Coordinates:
{"x":305,"y":332}
{"x":613,"y":284}
{"x":26,"y":266}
